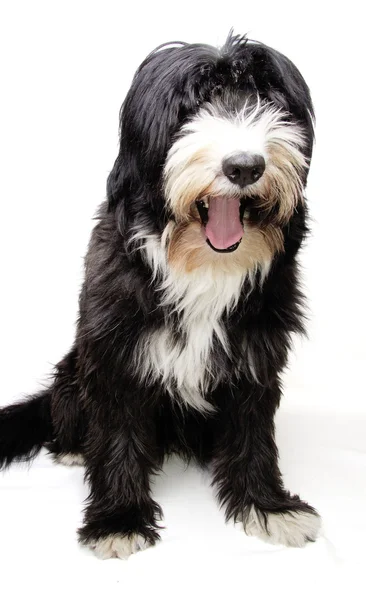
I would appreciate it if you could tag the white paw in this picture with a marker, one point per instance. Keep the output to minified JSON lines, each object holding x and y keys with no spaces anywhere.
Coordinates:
{"x":291,"y":528}
{"x":69,"y":459}
{"x":119,"y":546}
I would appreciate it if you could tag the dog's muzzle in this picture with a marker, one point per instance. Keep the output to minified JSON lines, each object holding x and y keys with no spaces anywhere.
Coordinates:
{"x":222,"y":215}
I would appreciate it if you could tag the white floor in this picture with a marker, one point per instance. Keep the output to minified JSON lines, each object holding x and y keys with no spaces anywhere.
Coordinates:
{"x":322,"y":457}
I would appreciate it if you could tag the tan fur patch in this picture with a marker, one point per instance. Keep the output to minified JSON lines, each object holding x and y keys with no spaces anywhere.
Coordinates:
{"x":188,"y":249}
{"x":282,"y":180}
{"x":190,"y":181}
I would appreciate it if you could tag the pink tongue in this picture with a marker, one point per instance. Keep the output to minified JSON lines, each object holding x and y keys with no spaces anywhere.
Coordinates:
{"x":224,"y":228}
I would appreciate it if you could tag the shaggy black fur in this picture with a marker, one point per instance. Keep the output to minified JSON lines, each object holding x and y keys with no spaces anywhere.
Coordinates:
{"x":96,"y":405}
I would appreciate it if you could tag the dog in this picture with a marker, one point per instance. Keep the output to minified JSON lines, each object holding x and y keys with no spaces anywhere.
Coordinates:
{"x":190,"y":299}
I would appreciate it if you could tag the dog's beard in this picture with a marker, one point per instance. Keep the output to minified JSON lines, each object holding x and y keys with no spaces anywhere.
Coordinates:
{"x":216,"y":221}
{"x":188,"y":248}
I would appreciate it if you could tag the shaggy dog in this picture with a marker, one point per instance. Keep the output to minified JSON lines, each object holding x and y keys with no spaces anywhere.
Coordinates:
{"x":190,"y":299}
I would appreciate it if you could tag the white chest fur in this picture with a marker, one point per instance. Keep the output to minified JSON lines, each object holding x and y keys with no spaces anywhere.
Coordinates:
{"x":179,"y":355}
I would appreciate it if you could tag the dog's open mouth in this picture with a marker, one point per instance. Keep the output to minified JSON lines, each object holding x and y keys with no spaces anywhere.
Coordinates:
{"x":222,"y":220}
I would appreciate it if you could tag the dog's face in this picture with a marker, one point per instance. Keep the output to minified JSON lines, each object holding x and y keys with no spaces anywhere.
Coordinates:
{"x":215,"y":150}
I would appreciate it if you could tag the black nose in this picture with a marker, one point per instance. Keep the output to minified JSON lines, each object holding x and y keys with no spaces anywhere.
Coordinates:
{"x":243,"y":168}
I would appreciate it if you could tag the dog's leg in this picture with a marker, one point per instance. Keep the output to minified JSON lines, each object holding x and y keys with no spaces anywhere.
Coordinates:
{"x":66,"y":446}
{"x":120,"y":456}
{"x":247,"y":475}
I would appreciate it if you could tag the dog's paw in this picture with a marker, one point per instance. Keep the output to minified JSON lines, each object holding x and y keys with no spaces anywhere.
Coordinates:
{"x":290,"y":528}
{"x":118,"y":546}
{"x":69,"y":459}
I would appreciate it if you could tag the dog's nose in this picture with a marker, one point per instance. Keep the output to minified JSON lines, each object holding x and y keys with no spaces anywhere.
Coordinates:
{"x":243,"y":168}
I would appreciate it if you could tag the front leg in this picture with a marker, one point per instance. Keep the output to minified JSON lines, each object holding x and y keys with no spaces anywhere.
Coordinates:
{"x":246,"y":470}
{"x":120,"y":456}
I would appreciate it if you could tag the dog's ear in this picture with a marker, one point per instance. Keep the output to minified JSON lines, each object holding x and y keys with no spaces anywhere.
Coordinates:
{"x":281,"y":81}
{"x":274,"y":77}
{"x":163,"y":94}
{"x":271,"y":74}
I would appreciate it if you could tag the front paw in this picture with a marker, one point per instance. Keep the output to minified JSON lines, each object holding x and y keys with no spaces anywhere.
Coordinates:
{"x":122,"y":533}
{"x":118,"y":546}
{"x":290,"y":527}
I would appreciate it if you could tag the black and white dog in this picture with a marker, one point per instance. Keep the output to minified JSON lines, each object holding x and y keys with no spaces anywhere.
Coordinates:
{"x":190,"y":299}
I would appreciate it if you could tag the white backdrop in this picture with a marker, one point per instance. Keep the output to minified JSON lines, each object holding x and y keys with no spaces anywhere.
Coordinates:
{"x":66,"y":67}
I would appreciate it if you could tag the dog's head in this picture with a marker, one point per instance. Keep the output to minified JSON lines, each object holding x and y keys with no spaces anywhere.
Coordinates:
{"x":214,"y":155}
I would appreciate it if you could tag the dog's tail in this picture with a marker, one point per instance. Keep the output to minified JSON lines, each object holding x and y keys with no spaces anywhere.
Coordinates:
{"x":24,"y":428}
